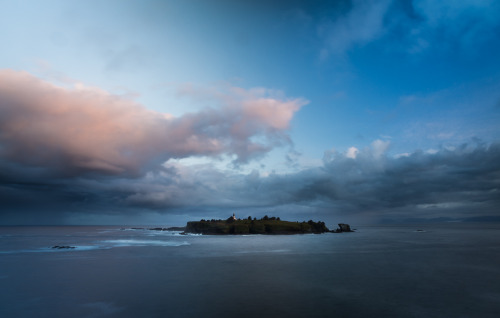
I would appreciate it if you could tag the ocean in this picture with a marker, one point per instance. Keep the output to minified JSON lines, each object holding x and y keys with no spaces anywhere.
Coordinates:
{"x":432,"y":270}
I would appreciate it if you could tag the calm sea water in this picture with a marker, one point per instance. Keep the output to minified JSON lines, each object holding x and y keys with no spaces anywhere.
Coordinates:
{"x":446,"y":270}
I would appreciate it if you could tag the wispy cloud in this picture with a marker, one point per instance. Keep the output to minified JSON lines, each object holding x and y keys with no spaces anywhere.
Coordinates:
{"x":363,"y":23}
{"x":463,"y":23}
{"x":420,"y":25}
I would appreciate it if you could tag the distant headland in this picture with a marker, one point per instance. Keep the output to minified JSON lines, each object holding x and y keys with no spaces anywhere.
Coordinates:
{"x":265,"y":225}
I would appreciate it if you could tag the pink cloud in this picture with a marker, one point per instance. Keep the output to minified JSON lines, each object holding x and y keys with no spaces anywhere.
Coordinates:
{"x":88,"y":130}
{"x":271,"y":112}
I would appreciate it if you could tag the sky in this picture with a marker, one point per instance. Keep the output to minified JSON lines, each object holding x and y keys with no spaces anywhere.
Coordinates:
{"x":160,"y":112}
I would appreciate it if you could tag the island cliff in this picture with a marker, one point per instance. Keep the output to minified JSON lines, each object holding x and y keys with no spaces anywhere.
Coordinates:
{"x":266,"y":225}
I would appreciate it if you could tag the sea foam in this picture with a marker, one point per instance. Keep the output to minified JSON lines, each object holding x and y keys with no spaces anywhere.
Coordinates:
{"x":119,"y":243}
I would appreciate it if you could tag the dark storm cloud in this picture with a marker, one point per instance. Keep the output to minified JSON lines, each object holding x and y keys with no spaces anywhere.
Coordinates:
{"x":460,"y":182}
{"x":451,"y":184}
{"x":447,"y":177}
{"x":464,"y":180}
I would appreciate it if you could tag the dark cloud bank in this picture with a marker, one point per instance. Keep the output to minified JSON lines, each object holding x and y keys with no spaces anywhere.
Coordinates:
{"x":63,"y":160}
{"x":460,"y":184}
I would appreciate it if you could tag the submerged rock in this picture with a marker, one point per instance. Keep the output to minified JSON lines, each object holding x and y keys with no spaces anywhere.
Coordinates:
{"x":176,"y":228}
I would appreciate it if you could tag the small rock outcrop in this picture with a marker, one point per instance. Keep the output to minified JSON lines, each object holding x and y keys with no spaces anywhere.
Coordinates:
{"x":343,"y":227}
{"x":63,"y":247}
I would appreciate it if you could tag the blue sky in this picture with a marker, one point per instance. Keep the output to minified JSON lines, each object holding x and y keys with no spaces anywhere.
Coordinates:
{"x":220,"y":95}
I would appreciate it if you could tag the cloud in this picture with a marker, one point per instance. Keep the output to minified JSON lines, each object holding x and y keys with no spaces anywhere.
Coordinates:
{"x":361,"y":24}
{"x":415,"y":26}
{"x":455,"y":182}
{"x":380,"y":147}
{"x":87,"y":131}
{"x":352,"y":152}
{"x":462,"y":23}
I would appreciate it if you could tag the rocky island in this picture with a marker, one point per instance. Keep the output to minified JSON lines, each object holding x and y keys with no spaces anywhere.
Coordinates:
{"x":265,"y":225}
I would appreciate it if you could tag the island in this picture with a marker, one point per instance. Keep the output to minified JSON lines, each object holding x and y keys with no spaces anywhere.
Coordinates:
{"x":265,"y":225}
